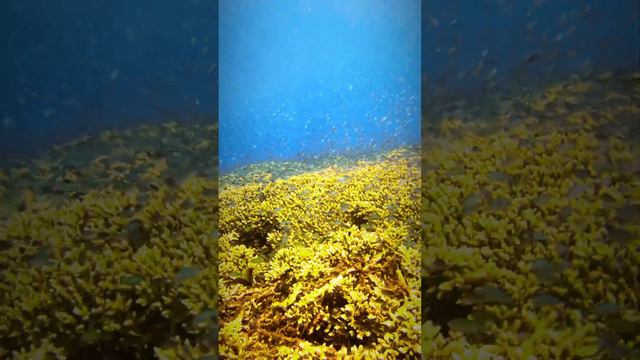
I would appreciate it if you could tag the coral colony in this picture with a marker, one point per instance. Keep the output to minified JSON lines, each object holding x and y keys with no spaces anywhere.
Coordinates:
{"x":531,"y":228}
{"x":527,"y":222}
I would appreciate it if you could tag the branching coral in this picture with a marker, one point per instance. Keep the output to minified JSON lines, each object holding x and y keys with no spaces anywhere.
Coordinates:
{"x":531,"y":231}
{"x":323,"y":264}
{"x":119,"y":272}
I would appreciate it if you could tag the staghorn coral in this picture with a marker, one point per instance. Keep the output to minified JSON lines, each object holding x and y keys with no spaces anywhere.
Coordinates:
{"x":323,"y":264}
{"x":531,"y":229}
{"x":122,"y":270}
{"x":530,"y":245}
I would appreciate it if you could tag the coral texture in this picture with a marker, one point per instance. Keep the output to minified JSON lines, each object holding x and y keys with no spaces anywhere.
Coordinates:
{"x":531,"y":228}
{"x":121,"y":262}
{"x":324,"y":264}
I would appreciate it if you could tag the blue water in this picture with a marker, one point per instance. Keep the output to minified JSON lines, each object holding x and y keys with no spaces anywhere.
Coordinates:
{"x":473,"y":47}
{"x":307,"y":78}
{"x":298,"y":78}
{"x":79,"y":66}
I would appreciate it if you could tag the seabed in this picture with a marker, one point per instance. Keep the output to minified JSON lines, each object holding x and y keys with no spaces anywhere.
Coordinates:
{"x":527,"y":219}
{"x":531,"y":226}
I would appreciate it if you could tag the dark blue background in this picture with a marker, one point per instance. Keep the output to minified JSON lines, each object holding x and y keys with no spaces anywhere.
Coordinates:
{"x":58,"y":58}
{"x":528,"y":42}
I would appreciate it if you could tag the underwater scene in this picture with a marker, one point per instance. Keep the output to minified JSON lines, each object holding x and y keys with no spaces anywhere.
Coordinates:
{"x":319,"y":220}
{"x":388,"y":179}
{"x":531,"y":180}
{"x":108,"y":180}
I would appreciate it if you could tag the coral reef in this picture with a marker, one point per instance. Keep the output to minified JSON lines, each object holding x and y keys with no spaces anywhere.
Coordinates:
{"x":531,"y":227}
{"x":324,"y":264}
{"x":109,"y":249}
{"x":120,"y":263}
{"x":142,"y":157}
{"x":529,"y":234}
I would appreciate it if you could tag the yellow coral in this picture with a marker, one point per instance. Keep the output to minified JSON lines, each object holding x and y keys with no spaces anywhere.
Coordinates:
{"x":337,"y":274}
{"x":113,"y":272}
{"x":529,"y":243}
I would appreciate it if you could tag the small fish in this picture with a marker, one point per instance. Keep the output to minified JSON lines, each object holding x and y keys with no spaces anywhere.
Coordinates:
{"x":488,"y":295}
{"x":499,"y":176}
{"x":131,"y":280}
{"x":92,"y":336}
{"x":538,"y":235}
{"x":129,"y":211}
{"x":48,"y":112}
{"x":187,"y":273}
{"x":532,"y":57}
{"x":542,"y":199}
{"x":136,"y":233}
{"x":607,"y":308}
{"x":466,"y":326}
{"x":472,"y":203}
{"x":500,"y":204}
{"x":547,"y":272}
{"x":564,"y":213}
{"x":619,"y":235}
{"x":546,"y":300}
{"x":629,"y":212}
{"x":492,"y":294}
{"x":114,"y":74}
{"x":41,"y":257}
{"x":537,"y":3}
{"x":622,"y":326}
{"x":609,"y":197}
{"x":570,"y":31}
{"x":8,"y":122}
{"x":483,"y":316}
{"x":187,"y":204}
{"x":563,"y":18}
{"x":433,"y":21}
{"x":205,"y":315}
{"x":530,"y":26}
{"x":576,"y":190}
{"x":373,"y":216}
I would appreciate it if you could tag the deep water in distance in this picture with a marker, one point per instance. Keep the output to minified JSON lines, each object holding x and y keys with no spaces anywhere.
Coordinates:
{"x":87,"y":66}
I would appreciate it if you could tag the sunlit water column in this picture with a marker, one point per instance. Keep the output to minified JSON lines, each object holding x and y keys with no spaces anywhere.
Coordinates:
{"x":320,"y":179}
